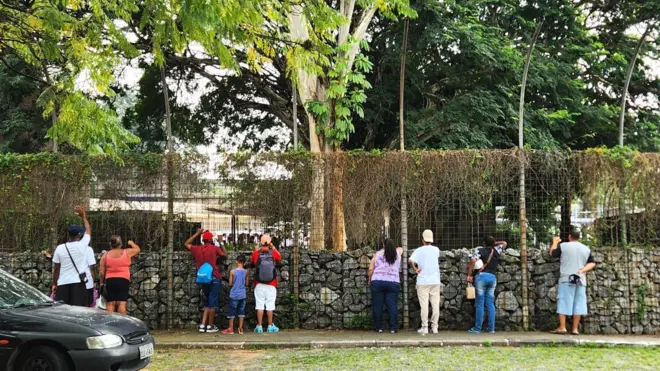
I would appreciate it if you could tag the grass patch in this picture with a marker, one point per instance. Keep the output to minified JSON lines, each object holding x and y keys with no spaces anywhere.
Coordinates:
{"x":448,"y":358}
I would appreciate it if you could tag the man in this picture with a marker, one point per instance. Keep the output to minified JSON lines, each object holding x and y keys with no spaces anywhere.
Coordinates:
{"x":71,"y":264}
{"x":575,"y":261}
{"x":425,"y":261}
{"x":264,"y":259}
{"x":207,"y":253}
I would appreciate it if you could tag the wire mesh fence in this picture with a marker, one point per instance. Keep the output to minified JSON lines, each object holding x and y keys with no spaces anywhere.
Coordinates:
{"x":317,"y":205}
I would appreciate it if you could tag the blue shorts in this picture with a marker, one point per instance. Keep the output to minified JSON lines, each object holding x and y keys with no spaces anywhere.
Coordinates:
{"x":571,"y":299}
{"x":236,"y":307}
{"x":211,"y":293}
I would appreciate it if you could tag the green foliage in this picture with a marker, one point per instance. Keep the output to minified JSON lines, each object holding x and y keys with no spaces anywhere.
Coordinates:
{"x":359,"y":322}
{"x":641,"y":302}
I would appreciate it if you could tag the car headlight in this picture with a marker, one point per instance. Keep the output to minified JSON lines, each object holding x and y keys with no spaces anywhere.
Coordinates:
{"x":104,"y":341}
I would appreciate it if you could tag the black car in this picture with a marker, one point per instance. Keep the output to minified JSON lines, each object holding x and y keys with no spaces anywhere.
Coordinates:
{"x":37,"y":333}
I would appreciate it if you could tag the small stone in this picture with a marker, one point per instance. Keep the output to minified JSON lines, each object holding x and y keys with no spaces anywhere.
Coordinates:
{"x":364,"y":262}
{"x":638,"y":330}
{"x":350,"y":264}
{"x":334,"y":266}
{"x":503,"y":277}
{"x":327,"y":296}
{"x":284,"y":275}
{"x":513,"y":252}
{"x":507,"y":301}
{"x":306,"y":279}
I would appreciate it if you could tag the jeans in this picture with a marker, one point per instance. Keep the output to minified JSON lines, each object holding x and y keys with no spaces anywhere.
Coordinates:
{"x":385,"y":293}
{"x":211,"y":293}
{"x":236,"y":307}
{"x":484,"y":286}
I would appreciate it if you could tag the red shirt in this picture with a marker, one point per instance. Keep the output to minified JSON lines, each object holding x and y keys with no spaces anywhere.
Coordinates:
{"x":207,"y":253}
{"x":276,"y":256}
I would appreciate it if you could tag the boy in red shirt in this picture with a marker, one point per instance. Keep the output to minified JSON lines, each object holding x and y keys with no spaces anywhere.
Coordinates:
{"x":264,"y":259}
{"x":207,"y":253}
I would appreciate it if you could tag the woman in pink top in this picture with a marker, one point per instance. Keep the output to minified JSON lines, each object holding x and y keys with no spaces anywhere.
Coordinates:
{"x":385,"y":284}
{"x":115,"y":273}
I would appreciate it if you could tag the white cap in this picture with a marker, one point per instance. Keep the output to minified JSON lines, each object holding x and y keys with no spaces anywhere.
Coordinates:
{"x":427,"y":236}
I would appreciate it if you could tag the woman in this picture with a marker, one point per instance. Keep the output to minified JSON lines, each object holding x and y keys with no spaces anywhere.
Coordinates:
{"x":385,"y":284}
{"x":115,"y":273}
{"x":485,"y":282}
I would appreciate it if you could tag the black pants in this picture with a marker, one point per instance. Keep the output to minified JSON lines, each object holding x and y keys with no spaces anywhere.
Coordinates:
{"x":72,"y":294}
{"x":90,"y":297}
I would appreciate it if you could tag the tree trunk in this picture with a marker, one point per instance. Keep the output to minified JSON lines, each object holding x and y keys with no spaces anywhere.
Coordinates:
{"x":170,"y":205}
{"x":622,"y":118}
{"x":523,"y":208}
{"x":565,"y":223}
{"x":404,"y":204}
{"x":338,"y":224}
{"x":317,"y":233}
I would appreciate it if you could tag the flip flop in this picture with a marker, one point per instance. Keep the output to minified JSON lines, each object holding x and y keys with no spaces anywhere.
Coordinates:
{"x":575,"y":333}
{"x":557,"y":332}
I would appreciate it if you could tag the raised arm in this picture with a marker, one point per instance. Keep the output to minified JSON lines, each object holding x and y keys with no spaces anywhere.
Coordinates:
{"x":189,"y":241}
{"x":555,"y":243}
{"x":133,"y":249}
{"x":80,"y":211}
{"x":371,"y":268}
{"x":501,"y":243}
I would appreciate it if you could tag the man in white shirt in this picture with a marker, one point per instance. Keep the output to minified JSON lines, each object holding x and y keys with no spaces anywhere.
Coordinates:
{"x":71,"y":264}
{"x":91,"y":265}
{"x":425,"y":261}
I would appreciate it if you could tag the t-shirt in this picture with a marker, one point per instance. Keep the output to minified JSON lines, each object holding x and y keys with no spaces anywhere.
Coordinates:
{"x":207,"y":253}
{"x":238,"y":291}
{"x":91,"y":261}
{"x":426,"y":257}
{"x":384,"y":271}
{"x":255,"y":256}
{"x":483,"y":253}
{"x":78,"y":250}
{"x":572,"y":256}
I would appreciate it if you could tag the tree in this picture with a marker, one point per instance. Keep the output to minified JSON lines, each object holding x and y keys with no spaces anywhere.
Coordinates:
{"x":332,"y":85}
{"x":64,"y":41}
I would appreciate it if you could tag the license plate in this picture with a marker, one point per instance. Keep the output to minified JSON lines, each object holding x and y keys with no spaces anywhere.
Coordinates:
{"x":146,"y":351}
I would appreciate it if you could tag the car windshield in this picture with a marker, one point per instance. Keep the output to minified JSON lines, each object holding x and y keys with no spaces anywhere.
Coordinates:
{"x":15,"y":293}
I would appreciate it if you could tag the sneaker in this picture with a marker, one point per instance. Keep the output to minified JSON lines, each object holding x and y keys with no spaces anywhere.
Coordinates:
{"x":474,"y":331}
{"x":393,"y":332}
{"x":434,"y":330}
{"x":240,"y":331}
{"x":273,"y":328}
{"x":490,"y":331}
{"x":213,"y":328}
{"x":228,"y":332}
{"x":202,"y":328}
{"x":259,"y":330}
{"x":423,"y":331}
{"x":379,"y":331}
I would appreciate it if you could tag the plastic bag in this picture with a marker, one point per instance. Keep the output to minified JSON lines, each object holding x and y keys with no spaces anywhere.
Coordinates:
{"x":100,"y":303}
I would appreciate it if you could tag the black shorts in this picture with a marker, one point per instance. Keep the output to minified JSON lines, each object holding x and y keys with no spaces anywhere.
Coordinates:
{"x":117,"y":289}
{"x":72,"y":294}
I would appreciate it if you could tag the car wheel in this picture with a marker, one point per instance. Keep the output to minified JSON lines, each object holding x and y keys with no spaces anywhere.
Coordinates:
{"x":42,"y":358}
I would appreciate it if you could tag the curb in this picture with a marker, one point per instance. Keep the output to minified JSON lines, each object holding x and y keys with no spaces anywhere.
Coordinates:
{"x":407,"y":343}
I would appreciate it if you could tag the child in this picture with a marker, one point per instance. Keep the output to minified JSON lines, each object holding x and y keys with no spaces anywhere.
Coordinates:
{"x":238,"y":281}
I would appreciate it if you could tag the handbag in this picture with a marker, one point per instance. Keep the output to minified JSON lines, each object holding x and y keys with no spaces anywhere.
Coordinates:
{"x":103,"y":290}
{"x":83,"y":275}
{"x":470,"y":293}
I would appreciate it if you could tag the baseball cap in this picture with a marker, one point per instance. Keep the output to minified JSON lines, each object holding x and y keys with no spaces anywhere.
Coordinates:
{"x":265,"y":239}
{"x":207,"y":236}
{"x":427,"y":236}
{"x":75,"y":230}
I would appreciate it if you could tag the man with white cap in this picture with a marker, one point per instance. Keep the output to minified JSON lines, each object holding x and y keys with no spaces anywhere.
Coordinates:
{"x":425,"y":261}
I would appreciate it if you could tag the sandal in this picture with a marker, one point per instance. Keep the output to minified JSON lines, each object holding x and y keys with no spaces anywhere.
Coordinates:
{"x":575,"y":333}
{"x":557,"y":332}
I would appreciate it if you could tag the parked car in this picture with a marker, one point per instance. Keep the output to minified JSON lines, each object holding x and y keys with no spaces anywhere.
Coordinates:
{"x":37,"y":333}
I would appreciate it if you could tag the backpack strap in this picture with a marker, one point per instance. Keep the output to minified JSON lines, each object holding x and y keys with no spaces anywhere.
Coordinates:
{"x":492,"y":251}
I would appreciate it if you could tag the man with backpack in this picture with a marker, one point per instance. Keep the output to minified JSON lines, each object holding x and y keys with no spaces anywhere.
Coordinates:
{"x":264,"y":259}
{"x":208,"y":275}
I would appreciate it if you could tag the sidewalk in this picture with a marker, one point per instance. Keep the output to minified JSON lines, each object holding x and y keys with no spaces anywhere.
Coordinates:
{"x":189,"y":339}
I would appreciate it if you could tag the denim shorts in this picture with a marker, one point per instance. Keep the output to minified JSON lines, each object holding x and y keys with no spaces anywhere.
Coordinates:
{"x":571,"y":299}
{"x":211,"y":293}
{"x":236,"y":307}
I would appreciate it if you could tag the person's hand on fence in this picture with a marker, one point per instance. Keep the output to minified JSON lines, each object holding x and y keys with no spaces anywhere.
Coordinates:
{"x":556,"y":240}
{"x":79,"y":210}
